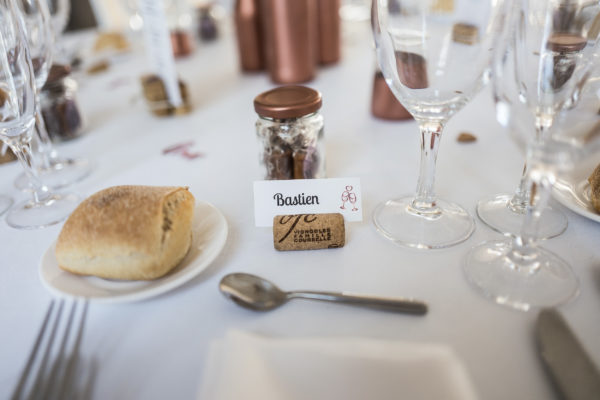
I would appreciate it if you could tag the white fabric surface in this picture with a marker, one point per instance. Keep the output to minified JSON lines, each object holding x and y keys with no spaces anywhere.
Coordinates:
{"x":252,"y":366}
{"x":156,"y":349}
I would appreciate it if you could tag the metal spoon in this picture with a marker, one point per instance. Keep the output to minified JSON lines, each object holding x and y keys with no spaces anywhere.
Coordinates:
{"x":256,"y":293}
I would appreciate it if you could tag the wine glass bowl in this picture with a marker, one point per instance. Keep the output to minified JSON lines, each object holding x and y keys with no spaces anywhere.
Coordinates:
{"x":434,"y":59}
{"x":542,"y":61}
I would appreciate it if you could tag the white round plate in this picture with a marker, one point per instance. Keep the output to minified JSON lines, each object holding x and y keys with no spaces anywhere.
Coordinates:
{"x":209,"y":233}
{"x":573,"y":191}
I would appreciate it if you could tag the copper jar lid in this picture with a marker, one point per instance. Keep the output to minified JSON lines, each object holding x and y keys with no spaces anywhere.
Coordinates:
{"x":288,"y":102}
{"x":566,"y":42}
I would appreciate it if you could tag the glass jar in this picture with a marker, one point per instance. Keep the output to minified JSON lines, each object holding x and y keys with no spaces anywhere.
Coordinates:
{"x":59,"y":106}
{"x":290,"y":133}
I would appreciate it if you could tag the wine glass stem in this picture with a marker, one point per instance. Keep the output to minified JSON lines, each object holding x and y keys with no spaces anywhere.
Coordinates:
{"x":518,"y":202}
{"x":424,"y":202}
{"x":45,"y":147}
{"x":522,"y":197}
{"x":524,"y":253}
{"x":22,"y":149}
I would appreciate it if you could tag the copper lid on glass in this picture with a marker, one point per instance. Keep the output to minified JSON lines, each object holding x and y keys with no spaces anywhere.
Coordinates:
{"x":563,"y":42}
{"x":288,"y":102}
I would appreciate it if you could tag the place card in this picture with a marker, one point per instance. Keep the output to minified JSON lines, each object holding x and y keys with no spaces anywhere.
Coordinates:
{"x":307,"y":196}
{"x":159,"y":48}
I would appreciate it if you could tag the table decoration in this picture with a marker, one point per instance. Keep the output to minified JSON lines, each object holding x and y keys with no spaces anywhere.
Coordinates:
{"x":289,"y":39}
{"x":290,"y":132}
{"x":62,"y":114}
{"x":384,"y":104}
{"x":308,"y":231}
{"x":307,"y":196}
{"x":166,"y":95}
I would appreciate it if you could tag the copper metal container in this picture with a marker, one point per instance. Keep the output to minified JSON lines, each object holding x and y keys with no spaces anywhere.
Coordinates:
{"x":248,"y":32}
{"x":384,"y":104}
{"x":329,"y":31}
{"x":290,"y":30}
{"x":181,"y":43}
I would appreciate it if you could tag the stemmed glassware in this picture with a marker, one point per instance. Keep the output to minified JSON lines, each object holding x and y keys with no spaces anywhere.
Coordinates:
{"x":543,"y":57}
{"x":58,"y":171}
{"x":435,"y":57}
{"x":59,"y":16}
{"x":504,"y":212}
{"x":17,"y":121}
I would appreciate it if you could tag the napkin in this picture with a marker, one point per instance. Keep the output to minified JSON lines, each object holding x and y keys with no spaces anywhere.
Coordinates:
{"x":250,"y":366}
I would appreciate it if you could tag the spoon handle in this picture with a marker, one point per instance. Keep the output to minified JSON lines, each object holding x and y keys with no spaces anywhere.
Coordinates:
{"x":401,"y":305}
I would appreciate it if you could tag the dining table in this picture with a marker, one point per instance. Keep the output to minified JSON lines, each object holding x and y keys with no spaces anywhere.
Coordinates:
{"x":160,"y":345}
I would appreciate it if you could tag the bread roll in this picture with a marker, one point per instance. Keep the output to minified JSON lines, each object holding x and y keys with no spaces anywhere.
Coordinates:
{"x":128,"y":232}
{"x":594,"y":180}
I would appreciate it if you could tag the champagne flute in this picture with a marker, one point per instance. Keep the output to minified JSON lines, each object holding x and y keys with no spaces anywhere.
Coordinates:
{"x":435,"y":57}
{"x":59,"y":15}
{"x":58,"y":172}
{"x":17,"y":120}
{"x":543,"y":58}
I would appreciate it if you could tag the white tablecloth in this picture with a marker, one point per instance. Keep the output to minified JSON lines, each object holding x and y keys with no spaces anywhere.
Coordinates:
{"x":156,"y":349}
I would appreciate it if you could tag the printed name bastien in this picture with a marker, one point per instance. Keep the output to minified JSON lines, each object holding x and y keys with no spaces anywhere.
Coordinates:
{"x":298,"y":200}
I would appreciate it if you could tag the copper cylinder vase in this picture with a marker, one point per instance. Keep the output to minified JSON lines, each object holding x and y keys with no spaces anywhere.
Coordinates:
{"x":290,"y":34}
{"x":329,"y":31}
{"x":248,"y":32}
{"x":384,"y":104}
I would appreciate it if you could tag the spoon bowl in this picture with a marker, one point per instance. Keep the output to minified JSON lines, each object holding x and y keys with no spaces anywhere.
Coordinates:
{"x":251,"y":291}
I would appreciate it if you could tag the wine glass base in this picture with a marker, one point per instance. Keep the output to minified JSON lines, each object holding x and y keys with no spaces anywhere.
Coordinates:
{"x":50,"y":211}
{"x":5,"y":203}
{"x":547,"y":281}
{"x":397,"y":221}
{"x":62,"y":173}
{"x":496,"y":214}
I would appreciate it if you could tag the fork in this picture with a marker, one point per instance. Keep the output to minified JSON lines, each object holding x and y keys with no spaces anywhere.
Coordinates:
{"x":49,"y":371}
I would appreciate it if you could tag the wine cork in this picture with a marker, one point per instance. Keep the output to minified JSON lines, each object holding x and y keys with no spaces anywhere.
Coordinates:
{"x":156,"y":95}
{"x":466,"y":137}
{"x":465,"y":33}
{"x":98,"y":67}
{"x":308,"y":231}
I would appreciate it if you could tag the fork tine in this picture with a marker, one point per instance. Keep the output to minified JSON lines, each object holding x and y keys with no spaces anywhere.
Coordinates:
{"x":40,"y":379}
{"x":74,"y":356}
{"x":51,"y":364}
{"x":48,"y":385}
{"x":30,"y":360}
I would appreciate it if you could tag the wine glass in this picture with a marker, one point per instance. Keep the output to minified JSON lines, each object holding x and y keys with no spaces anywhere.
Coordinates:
{"x":543,"y":57}
{"x":58,"y":171}
{"x":17,"y":120}
{"x":504,"y":212}
{"x":59,"y":15}
{"x":435,"y":58}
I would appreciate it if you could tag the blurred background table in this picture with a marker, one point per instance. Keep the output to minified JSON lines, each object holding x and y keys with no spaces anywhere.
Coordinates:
{"x":156,"y":349}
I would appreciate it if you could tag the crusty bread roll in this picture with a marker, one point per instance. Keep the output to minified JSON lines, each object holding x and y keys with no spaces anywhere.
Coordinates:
{"x":594,"y":181}
{"x":127,"y":232}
